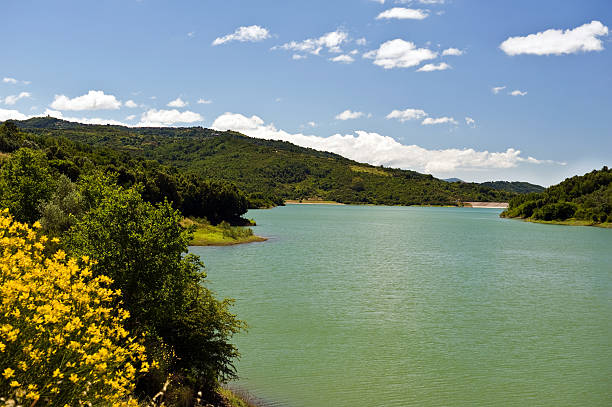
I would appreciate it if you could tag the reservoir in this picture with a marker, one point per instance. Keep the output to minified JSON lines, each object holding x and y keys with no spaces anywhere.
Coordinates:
{"x":413,"y":306}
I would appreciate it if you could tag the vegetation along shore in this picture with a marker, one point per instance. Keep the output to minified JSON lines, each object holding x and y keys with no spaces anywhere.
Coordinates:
{"x":581,"y":200}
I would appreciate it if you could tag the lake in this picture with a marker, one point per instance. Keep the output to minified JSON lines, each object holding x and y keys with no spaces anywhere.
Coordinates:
{"x":413,"y":306}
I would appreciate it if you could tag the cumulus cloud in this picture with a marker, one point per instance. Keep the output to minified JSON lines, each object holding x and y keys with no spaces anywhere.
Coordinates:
{"x":12,"y":99}
{"x":438,"y":120}
{"x":85,"y":120}
{"x":558,"y":42}
{"x":402,"y":13}
{"x":162,"y":118}
{"x":398,"y":53}
{"x":361,"y":41}
{"x":10,"y":114}
{"x":433,"y":67}
{"x":297,"y":57}
{"x":131,"y":104}
{"x":93,"y":100}
{"x":252,"y":33}
{"x":348,"y":115}
{"x":497,"y":89}
{"x":376,"y":149}
{"x":517,"y":93}
{"x":178,"y":102}
{"x":345,"y":59}
{"x":408,"y":114}
{"x":202,"y":101}
{"x":331,"y":41}
{"x":452,"y":51}
{"x":14,"y":81}
{"x":470,"y":122}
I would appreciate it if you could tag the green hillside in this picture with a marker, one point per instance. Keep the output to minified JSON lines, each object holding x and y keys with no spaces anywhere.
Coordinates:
{"x":520,"y":187}
{"x":580,"y":199}
{"x":269,"y":171}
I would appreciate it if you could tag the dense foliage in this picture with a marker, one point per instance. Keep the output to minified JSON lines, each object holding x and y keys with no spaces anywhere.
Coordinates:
{"x":62,"y":336}
{"x":36,"y":157}
{"x":269,"y":171}
{"x":587,"y":197}
{"x":124,"y":213}
{"x":515,"y":186}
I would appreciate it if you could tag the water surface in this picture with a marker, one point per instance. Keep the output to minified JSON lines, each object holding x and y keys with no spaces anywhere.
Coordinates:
{"x":409,"y":306}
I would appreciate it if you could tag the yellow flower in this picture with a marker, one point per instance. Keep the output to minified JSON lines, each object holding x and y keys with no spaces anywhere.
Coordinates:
{"x":14,"y":383}
{"x":8,"y":373}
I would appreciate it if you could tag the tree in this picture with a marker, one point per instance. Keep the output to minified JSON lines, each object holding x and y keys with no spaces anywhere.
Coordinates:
{"x":143,"y":248}
{"x":25,"y":182}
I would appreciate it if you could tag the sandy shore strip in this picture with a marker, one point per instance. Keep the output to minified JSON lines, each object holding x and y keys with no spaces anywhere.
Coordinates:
{"x":306,"y":202}
{"x":494,"y":205}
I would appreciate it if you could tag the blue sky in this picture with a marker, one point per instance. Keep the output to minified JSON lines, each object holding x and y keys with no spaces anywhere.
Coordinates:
{"x":434,"y":62}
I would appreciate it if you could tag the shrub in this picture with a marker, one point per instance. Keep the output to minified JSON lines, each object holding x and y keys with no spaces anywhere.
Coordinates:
{"x":62,"y":339}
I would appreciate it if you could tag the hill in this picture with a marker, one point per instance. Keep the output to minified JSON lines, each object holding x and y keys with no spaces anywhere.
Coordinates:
{"x":269,"y":171}
{"x":585,"y":199}
{"x":519,"y":187}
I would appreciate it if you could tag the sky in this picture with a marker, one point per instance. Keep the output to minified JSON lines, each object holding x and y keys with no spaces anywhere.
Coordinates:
{"x":475,"y":89}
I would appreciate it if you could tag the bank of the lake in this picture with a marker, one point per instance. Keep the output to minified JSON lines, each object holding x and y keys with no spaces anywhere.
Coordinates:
{"x":224,"y":234}
{"x":419,"y":306}
{"x":567,"y":222}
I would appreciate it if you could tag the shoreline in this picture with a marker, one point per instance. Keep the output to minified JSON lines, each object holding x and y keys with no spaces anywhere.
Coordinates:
{"x":569,"y":222}
{"x":492,"y":205}
{"x":307,"y":202}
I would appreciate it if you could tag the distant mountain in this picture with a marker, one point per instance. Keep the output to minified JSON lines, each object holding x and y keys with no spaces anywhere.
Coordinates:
{"x":584,"y":198}
{"x":453,"y":180}
{"x":520,"y":187}
{"x":269,"y":171}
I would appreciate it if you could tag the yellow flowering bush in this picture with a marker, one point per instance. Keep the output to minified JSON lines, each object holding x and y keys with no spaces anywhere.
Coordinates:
{"x":62,"y":341}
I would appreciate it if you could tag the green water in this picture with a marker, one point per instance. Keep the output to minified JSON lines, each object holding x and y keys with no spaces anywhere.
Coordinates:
{"x":395,"y":306}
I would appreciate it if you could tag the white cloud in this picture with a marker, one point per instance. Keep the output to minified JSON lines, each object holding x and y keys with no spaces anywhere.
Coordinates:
{"x":558,"y":42}
{"x":161,"y":118}
{"x":452,"y":51}
{"x":93,"y":100}
{"x":348,"y":115}
{"x":361,"y":41}
{"x":402,"y":13}
{"x":379,"y":1}
{"x":312,"y":124}
{"x":130,"y":117}
{"x":10,"y":80}
{"x":517,"y":93}
{"x":85,"y":120}
{"x":438,"y":120}
{"x":9,"y":114}
{"x":131,"y":104}
{"x":497,"y":89}
{"x":178,"y":102}
{"x":408,"y":114}
{"x":202,"y":101}
{"x":12,"y":99}
{"x":470,"y":122}
{"x":376,"y":149}
{"x":433,"y":67}
{"x":399,"y":54}
{"x":330,"y":41}
{"x":345,"y":59}
{"x":297,"y":57}
{"x":252,"y":33}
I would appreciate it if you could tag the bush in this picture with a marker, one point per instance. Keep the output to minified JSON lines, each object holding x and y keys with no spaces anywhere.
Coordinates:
{"x":62,"y":339}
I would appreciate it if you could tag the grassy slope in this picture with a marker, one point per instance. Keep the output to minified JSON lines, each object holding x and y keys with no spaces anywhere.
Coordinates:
{"x":272,"y":168}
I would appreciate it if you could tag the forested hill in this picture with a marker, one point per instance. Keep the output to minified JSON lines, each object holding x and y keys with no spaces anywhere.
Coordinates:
{"x":585,"y":198}
{"x":269,"y":171}
{"x":520,"y":187}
